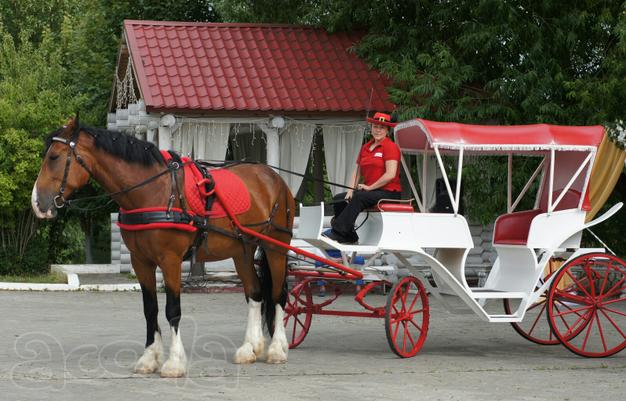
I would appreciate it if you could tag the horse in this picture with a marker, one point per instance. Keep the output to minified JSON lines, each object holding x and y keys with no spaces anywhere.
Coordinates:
{"x":131,"y":171}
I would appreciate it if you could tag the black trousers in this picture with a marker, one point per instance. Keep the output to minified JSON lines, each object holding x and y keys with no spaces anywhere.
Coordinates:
{"x":347,"y":212}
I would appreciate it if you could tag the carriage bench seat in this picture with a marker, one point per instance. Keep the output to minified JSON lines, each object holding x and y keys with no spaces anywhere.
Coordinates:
{"x":513,"y":228}
{"x":393,"y":205}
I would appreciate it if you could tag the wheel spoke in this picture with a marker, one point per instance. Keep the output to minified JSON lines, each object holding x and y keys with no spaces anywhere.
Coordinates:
{"x":293,"y":332}
{"x":601,"y":332}
{"x":410,"y":336}
{"x":405,"y":293}
{"x":536,"y":304}
{"x":416,"y":325}
{"x":413,"y":312}
{"x":615,"y":288}
{"x":417,"y":294}
{"x":395,"y":333}
{"x":582,"y":318}
{"x":404,"y":335}
{"x":604,"y":307}
{"x":577,"y":282}
{"x":570,"y":311}
{"x":532,"y":328}
{"x":612,"y":321}
{"x":573,"y":297}
{"x":589,"y":327}
{"x":588,"y":272}
{"x":605,"y":279}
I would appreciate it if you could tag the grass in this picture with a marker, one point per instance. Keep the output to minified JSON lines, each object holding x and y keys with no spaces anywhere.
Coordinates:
{"x":50,"y":278}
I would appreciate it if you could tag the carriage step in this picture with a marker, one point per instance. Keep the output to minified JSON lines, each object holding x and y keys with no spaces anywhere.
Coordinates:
{"x":503,"y":318}
{"x":495,"y":294}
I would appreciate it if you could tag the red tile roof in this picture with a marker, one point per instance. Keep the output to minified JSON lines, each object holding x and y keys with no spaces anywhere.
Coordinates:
{"x":251,"y":67}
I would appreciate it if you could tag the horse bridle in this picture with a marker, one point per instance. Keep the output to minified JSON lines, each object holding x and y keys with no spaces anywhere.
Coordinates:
{"x":59,"y":200}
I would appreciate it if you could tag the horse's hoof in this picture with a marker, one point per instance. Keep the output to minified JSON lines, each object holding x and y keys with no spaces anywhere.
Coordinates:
{"x":173,"y":369}
{"x":152,"y":358}
{"x":245,"y":354}
{"x":145,"y":369}
{"x":276,"y":354}
{"x":259,"y":349}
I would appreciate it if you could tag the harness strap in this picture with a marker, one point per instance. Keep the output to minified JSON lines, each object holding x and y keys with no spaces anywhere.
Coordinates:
{"x":164,"y":216}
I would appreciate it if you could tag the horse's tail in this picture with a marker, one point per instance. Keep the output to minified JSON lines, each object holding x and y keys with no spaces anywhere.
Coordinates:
{"x":268,"y":308}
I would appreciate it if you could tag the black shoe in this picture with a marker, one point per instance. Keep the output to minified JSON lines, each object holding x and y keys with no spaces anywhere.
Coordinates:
{"x":351,"y":238}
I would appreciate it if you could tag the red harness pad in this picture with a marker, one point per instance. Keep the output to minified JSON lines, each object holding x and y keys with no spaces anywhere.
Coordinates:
{"x":232,"y":191}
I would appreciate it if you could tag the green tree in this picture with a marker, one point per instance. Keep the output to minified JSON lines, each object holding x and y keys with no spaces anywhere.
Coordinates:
{"x":480,"y":61}
{"x":33,"y":99}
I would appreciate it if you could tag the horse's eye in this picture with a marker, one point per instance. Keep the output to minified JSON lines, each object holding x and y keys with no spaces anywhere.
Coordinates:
{"x":54,"y":157}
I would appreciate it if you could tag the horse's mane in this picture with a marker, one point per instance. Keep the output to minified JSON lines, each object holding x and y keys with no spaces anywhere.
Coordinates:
{"x":126,"y":147}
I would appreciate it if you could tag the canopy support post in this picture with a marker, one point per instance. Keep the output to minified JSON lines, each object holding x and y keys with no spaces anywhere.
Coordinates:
{"x":458,"y":183}
{"x":551,"y":182}
{"x":420,"y":205}
{"x":445,"y":180}
{"x":509,"y":185}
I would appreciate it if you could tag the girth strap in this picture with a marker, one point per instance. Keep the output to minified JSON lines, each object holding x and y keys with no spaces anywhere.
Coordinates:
{"x":155,"y":217}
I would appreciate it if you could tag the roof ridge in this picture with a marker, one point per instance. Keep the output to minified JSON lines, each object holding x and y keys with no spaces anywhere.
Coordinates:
{"x":221,"y":24}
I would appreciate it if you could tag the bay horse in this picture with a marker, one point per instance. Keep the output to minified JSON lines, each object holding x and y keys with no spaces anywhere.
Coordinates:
{"x":74,"y":154}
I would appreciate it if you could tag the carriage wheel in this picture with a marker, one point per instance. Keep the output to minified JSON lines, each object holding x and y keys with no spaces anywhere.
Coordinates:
{"x":535,"y":326}
{"x":298,"y":313}
{"x":587,"y":305}
{"x":406,"y":317}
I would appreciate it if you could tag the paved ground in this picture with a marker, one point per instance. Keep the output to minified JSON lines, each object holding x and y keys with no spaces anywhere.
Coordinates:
{"x":82,"y":346}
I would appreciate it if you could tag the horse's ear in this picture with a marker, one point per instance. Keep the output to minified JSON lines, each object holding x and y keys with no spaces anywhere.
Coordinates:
{"x":70,"y":122}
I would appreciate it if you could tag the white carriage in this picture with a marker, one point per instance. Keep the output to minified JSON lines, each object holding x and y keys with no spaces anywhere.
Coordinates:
{"x":581,"y":305}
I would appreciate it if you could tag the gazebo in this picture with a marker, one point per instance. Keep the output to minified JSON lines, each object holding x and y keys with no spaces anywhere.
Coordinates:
{"x":263,"y":92}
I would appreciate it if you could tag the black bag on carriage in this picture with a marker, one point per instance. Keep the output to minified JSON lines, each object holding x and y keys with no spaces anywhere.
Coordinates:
{"x":443,"y":204}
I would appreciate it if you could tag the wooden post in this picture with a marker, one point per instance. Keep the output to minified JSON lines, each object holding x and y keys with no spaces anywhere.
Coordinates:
{"x":318,"y":166}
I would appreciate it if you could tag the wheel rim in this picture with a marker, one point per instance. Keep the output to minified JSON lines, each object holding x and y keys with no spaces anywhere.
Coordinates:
{"x":406,"y":317}
{"x":298,"y":313}
{"x":588,"y":312}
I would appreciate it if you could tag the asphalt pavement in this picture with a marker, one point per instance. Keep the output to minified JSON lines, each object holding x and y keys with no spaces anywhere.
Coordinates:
{"x":83,"y":345}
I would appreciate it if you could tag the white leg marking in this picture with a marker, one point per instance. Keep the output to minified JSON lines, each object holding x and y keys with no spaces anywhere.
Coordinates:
{"x":279,"y":347}
{"x":152,"y":357}
{"x":254,"y":342}
{"x":176,"y":364}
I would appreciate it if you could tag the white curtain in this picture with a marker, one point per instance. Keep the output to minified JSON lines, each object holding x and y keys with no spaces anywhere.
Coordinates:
{"x":202,"y":140}
{"x":341,"y":149}
{"x":295,"y":148}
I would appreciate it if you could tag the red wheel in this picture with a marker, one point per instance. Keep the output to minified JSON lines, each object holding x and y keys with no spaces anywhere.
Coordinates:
{"x":587,"y":305}
{"x":298,"y":313}
{"x":406,"y":317}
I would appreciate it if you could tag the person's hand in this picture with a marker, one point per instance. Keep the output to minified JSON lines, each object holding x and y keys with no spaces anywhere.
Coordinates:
{"x":363,"y":187}
{"x":349,"y":194}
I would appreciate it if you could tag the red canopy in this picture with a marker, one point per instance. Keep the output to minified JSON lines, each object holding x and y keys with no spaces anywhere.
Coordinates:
{"x":419,"y":135}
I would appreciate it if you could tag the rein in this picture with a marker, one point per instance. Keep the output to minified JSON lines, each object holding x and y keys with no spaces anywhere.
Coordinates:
{"x":60,"y":201}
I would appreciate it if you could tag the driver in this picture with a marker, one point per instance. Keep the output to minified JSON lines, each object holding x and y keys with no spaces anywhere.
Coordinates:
{"x":377,"y":165}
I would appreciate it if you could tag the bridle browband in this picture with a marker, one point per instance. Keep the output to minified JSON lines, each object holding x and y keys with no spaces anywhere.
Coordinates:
{"x":59,"y":200}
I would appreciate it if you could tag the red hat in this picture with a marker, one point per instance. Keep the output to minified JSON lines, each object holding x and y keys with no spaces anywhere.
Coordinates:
{"x":382,"y":119}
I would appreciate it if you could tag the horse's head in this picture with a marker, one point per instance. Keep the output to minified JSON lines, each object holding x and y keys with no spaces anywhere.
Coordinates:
{"x":64,"y":169}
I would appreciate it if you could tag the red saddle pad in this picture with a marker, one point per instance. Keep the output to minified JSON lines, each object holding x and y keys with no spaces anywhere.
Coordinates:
{"x":231,"y":188}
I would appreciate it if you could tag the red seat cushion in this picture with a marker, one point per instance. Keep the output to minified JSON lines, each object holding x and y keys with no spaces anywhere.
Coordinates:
{"x":394,"y":207}
{"x":513,"y":228}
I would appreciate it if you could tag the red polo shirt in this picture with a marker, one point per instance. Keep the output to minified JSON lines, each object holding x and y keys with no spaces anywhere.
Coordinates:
{"x":372,"y":163}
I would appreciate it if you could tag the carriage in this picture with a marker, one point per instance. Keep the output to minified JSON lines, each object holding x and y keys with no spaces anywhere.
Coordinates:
{"x":581,"y":304}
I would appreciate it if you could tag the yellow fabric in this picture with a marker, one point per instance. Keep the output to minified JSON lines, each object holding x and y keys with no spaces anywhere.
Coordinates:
{"x":608,"y":166}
